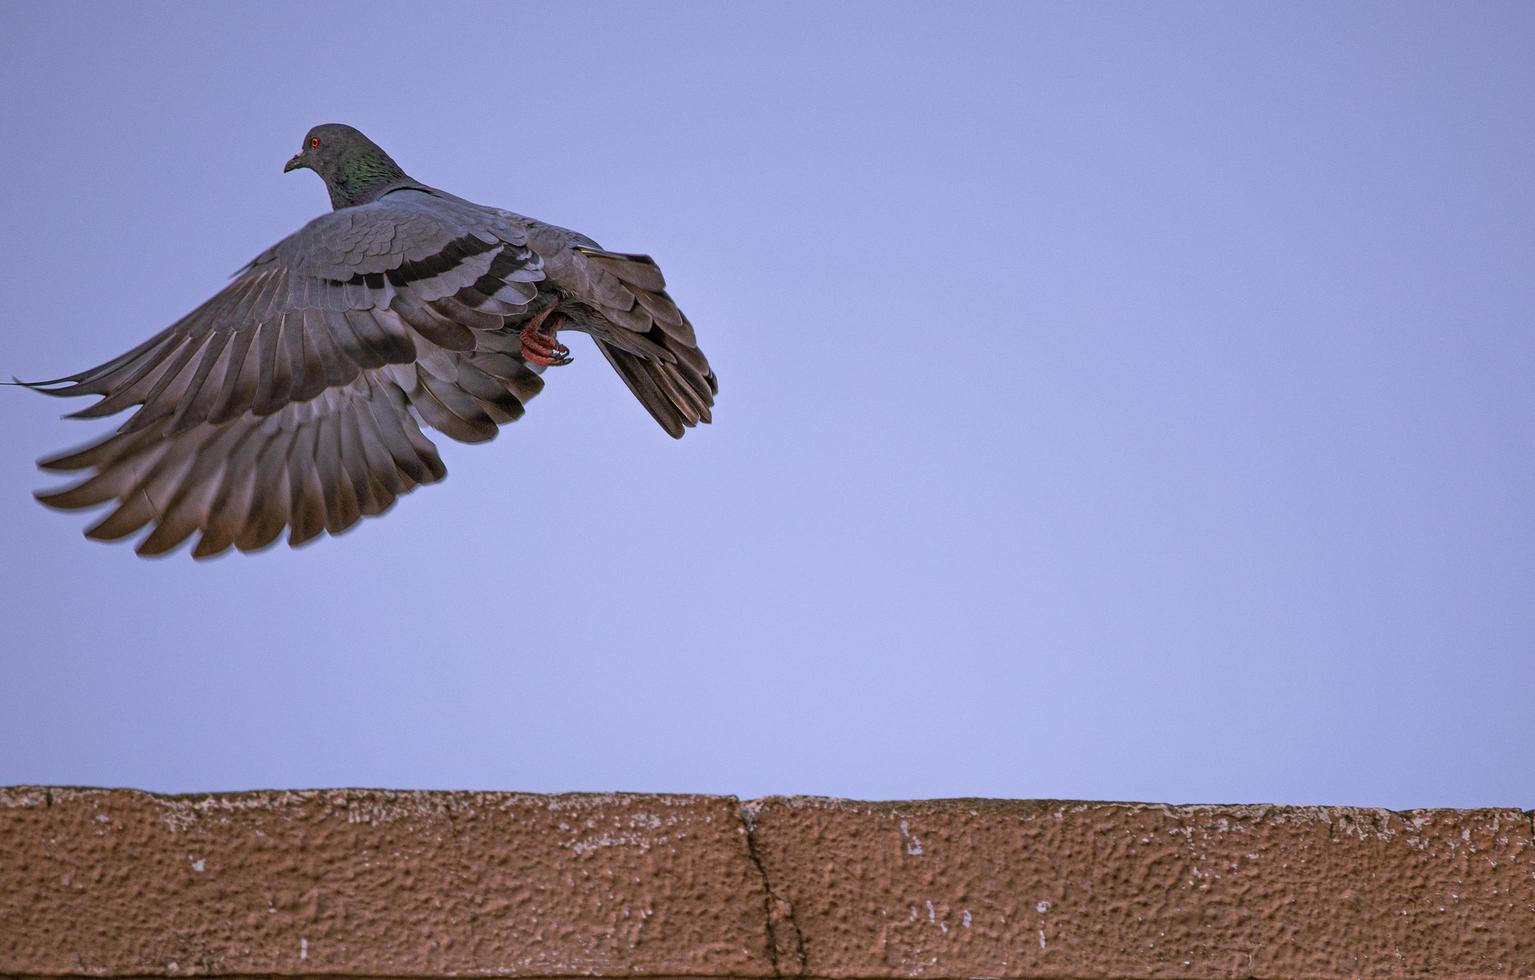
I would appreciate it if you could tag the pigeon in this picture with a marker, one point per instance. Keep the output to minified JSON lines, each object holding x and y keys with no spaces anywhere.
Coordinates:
{"x":295,"y":397}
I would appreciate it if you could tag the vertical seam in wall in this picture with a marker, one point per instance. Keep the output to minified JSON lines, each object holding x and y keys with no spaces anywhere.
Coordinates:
{"x":447,"y":809}
{"x":784,"y":939}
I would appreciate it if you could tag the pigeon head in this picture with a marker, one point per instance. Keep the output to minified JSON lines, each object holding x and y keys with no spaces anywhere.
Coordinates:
{"x":354,"y":168}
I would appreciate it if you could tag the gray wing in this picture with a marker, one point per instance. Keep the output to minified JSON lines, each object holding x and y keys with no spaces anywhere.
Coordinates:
{"x":638,"y":327}
{"x":290,"y":399}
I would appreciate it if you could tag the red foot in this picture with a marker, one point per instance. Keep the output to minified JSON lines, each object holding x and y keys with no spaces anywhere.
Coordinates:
{"x":538,"y":343}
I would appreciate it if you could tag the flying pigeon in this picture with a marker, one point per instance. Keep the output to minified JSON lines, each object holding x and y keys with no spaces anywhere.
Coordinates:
{"x":293,"y":398}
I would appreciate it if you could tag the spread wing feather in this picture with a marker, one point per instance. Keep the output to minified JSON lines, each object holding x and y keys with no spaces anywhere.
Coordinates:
{"x":290,"y":399}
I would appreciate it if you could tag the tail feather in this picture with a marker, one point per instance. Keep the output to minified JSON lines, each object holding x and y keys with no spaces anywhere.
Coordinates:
{"x":678,"y":393}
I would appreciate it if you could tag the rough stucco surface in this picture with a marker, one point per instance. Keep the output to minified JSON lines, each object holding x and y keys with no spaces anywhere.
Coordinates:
{"x":977,"y":888}
{"x":123,"y":883}
{"x":398,"y":884}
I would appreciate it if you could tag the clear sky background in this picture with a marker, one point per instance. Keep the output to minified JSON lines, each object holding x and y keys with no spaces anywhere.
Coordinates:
{"x":1117,"y":401}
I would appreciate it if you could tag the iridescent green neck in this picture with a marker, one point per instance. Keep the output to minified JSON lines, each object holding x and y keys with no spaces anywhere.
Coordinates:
{"x":363,"y":177}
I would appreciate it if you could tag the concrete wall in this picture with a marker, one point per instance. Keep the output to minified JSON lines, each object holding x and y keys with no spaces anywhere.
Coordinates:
{"x":356,"y":883}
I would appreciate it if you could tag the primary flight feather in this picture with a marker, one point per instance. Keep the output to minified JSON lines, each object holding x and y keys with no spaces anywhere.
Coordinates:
{"x":292,"y":398}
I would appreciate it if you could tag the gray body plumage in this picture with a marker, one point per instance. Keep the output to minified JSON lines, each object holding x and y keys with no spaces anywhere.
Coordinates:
{"x":293,"y":398}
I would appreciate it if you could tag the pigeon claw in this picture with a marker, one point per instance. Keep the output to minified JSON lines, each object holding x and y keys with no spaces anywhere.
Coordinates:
{"x":554,"y":355}
{"x":538,"y":340}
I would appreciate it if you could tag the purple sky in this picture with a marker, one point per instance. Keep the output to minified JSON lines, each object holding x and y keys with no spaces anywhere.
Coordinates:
{"x":1117,"y":401}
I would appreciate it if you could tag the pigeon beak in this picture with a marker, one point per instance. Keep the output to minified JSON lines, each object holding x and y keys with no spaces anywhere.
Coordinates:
{"x":293,"y":164}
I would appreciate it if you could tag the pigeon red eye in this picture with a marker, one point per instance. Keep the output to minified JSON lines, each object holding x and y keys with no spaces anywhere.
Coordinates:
{"x":314,"y":142}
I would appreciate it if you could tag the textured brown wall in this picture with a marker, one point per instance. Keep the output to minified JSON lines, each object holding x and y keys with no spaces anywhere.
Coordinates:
{"x":385,"y":884}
